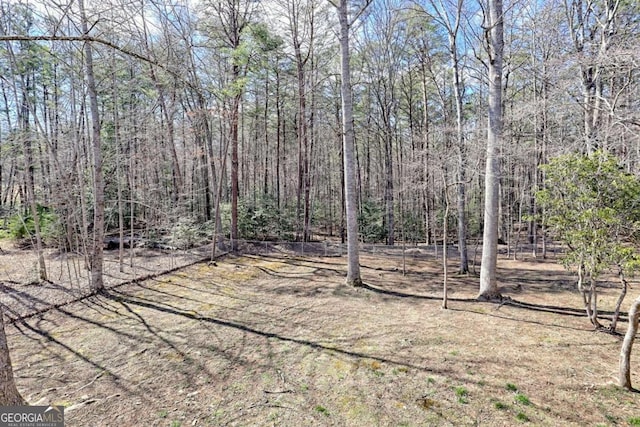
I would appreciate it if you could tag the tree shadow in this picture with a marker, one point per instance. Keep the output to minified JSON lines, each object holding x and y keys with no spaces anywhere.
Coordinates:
{"x":27,"y":302}
{"x":123,"y":298}
{"x":559,"y":310}
{"x":398,"y":294}
{"x":23,"y":326}
{"x":519,"y":320}
{"x":565,"y":311}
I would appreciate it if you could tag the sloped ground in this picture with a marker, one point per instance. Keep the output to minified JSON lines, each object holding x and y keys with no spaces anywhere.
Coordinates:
{"x":261,"y":340}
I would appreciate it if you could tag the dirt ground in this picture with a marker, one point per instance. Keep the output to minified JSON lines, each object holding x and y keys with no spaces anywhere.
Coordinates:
{"x":280,"y":340}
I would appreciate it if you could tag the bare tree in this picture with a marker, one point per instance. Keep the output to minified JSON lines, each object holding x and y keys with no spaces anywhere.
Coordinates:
{"x":96,"y":258}
{"x":495,"y":34}
{"x":348,"y":141}
{"x":24,"y":66}
{"x":301,"y":20}
{"x":449,"y":15}
{"x":589,"y":20}
{"x":383,"y":53}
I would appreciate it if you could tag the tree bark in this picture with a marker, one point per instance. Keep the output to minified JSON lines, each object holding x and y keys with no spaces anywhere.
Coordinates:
{"x":96,"y":258}
{"x":445,"y":231}
{"x":351,"y":202}
{"x":30,"y":183}
{"x":488,"y":282}
{"x":623,"y":293}
{"x":235,"y":113}
{"x":462,"y":163}
{"x":388,"y":188}
{"x":301,"y":59}
{"x":168,"y":112}
{"x":627,"y":343}
{"x":9,"y":395}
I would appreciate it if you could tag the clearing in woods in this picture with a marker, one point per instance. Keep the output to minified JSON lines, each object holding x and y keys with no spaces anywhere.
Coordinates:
{"x":260,"y":340}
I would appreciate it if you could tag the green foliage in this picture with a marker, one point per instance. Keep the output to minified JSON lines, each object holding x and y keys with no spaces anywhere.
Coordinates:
{"x":462,"y":393}
{"x":22,"y":226}
{"x":371,"y":222}
{"x":413,"y":227}
{"x":321,"y":409}
{"x":635,"y":421}
{"x":261,"y":219}
{"x":522,"y":417}
{"x":500,"y":406}
{"x":263,"y":39}
{"x":522,"y":399}
{"x":187,"y":233}
{"x":512,"y":387}
{"x":593,"y":206}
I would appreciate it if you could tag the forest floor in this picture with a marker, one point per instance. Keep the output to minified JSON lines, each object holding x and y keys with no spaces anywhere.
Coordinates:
{"x":280,"y":340}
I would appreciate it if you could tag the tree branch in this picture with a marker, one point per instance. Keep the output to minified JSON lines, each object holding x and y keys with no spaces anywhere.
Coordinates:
{"x":84,"y":39}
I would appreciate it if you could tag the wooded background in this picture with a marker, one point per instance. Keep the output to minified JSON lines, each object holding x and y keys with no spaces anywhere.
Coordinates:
{"x":169,"y":100}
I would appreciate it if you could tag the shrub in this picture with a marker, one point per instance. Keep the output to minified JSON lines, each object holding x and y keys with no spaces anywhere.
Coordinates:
{"x":371,"y":222}
{"x":591,"y":204}
{"x":187,"y":233}
{"x":23,"y":227}
{"x":260,"y":219}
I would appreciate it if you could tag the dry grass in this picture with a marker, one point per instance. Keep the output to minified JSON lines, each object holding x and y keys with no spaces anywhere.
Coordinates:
{"x":281,"y":341}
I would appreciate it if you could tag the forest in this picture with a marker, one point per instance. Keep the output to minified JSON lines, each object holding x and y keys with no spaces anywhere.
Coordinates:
{"x":477,"y":129}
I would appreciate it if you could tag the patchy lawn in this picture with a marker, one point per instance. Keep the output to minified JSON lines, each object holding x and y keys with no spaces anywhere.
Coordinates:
{"x":259,"y":340}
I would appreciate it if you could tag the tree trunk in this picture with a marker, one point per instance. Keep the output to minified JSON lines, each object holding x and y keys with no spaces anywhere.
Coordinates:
{"x":445,"y":231}
{"x":623,"y":293}
{"x":388,"y":189}
{"x":265,"y":118}
{"x":462,"y":164}
{"x":348,"y":140}
{"x":279,"y":125}
{"x":216,"y":223}
{"x":96,"y":258}
{"x":9,"y":395}
{"x":234,"y":165}
{"x":488,"y":283}
{"x":425,"y":173}
{"x":30,"y":183}
{"x":302,"y":213}
{"x":235,"y":17}
{"x":627,"y":343}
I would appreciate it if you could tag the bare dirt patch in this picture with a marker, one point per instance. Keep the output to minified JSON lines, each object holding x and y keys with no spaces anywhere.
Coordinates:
{"x":261,"y":340}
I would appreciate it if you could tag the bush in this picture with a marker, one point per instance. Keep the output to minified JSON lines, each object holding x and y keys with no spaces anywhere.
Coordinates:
{"x":260,"y":219}
{"x":371,"y":222}
{"x":591,"y":204}
{"x":413,"y":227}
{"x":188,"y":233}
{"x":22,"y":227}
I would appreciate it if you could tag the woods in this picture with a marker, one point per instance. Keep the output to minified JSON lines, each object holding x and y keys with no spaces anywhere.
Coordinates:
{"x":222,"y":104}
{"x":173,"y":123}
